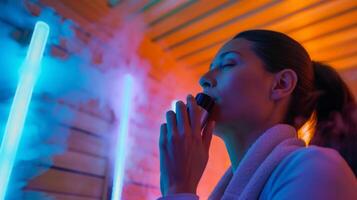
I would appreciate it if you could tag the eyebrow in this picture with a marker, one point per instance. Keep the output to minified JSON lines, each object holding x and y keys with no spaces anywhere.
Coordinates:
{"x":223,"y":54}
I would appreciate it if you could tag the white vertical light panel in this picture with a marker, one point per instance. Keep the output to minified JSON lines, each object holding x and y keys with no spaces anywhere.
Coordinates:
{"x":122,"y":142}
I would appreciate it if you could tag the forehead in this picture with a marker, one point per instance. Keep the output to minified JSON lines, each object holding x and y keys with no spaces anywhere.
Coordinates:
{"x":239,"y":45}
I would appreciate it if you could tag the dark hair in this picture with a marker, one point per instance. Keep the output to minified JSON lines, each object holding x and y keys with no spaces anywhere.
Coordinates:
{"x":319,"y":90}
{"x":336,"y":114}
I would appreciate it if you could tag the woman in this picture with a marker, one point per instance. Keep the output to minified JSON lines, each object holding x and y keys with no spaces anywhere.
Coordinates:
{"x":265,"y":87}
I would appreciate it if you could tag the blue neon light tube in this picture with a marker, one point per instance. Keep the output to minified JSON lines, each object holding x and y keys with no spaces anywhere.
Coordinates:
{"x":14,"y":127}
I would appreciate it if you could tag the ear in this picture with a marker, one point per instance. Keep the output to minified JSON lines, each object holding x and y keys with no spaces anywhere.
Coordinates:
{"x":284,"y":84}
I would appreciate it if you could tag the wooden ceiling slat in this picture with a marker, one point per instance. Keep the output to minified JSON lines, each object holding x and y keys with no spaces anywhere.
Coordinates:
{"x":81,"y":8}
{"x":310,"y":16}
{"x":313,"y":15}
{"x":115,"y":15}
{"x":214,"y":21}
{"x":208,"y":53}
{"x":323,"y":43}
{"x":67,"y":13}
{"x":290,"y":23}
{"x":125,"y":11}
{"x":186,"y":16}
{"x":100,"y":7}
{"x":83,"y":26}
{"x":329,"y":41}
{"x":344,"y":63}
{"x":337,"y":51}
{"x":132,"y":6}
{"x":201,"y":70}
{"x":325,"y":27}
{"x":253,"y":21}
{"x":160,"y":9}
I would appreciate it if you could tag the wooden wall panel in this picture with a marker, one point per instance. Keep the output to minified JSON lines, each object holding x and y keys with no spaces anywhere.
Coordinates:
{"x":60,"y":181}
{"x":82,"y":121}
{"x":87,"y":144}
{"x":70,"y":197}
{"x":81,"y":171}
{"x":82,"y":163}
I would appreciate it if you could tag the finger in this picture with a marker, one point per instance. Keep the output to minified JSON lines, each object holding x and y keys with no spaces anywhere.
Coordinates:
{"x":163,"y":136}
{"x":163,"y":148}
{"x":171,"y":125}
{"x":194,"y":116}
{"x":163,"y":157}
{"x":183,"y":125}
{"x":207,"y":134}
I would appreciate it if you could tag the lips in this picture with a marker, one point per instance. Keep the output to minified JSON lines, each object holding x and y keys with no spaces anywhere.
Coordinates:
{"x":215,"y":99}
{"x":214,"y":111}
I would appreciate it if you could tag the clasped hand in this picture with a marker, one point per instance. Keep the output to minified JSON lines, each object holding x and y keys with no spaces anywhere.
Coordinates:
{"x":183,"y":148}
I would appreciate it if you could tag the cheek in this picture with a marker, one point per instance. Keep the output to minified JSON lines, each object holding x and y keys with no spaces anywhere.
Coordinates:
{"x":244,"y":97}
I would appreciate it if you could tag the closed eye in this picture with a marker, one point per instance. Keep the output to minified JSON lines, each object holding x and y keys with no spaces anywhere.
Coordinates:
{"x":227,"y":65}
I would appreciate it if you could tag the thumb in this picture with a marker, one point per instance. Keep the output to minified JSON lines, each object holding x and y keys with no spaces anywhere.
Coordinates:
{"x":207,"y":134}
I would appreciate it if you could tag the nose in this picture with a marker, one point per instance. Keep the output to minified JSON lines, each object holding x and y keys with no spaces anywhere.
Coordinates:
{"x":208,"y":81}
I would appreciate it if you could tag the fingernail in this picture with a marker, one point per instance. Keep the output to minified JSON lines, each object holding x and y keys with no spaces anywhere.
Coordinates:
{"x":189,"y":97}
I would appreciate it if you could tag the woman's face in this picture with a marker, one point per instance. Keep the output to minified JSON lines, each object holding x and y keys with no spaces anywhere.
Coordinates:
{"x":241,"y":86}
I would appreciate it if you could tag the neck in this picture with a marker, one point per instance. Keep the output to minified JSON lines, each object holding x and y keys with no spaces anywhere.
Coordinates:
{"x":239,"y":140}
{"x":239,"y":137}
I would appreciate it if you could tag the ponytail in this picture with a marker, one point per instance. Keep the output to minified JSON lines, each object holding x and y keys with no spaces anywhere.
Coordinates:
{"x":336,"y":114}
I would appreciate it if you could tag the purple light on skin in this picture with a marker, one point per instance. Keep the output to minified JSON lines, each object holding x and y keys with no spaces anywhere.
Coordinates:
{"x":18,"y":112}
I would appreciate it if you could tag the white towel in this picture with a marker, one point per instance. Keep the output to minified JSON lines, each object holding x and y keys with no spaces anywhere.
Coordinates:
{"x":257,"y":164}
